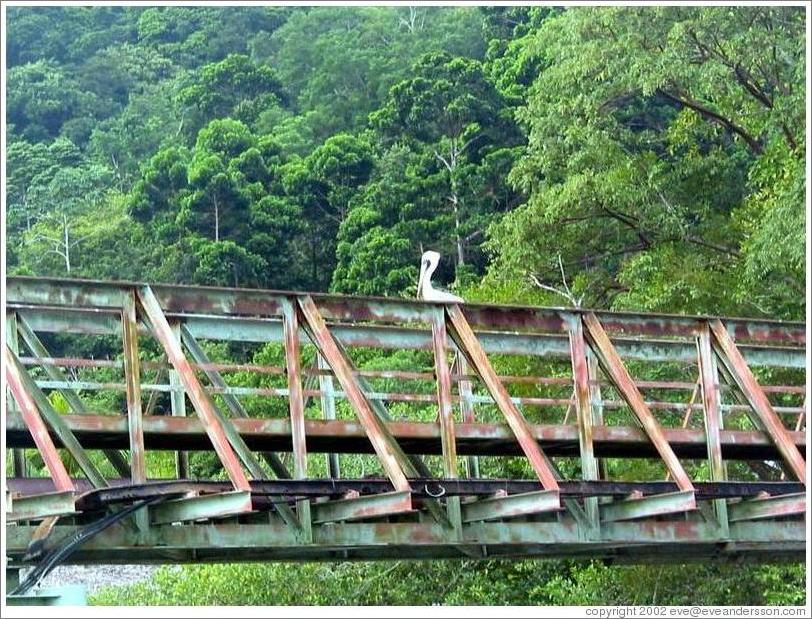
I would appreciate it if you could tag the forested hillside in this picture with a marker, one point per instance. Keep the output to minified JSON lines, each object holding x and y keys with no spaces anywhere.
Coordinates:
{"x":646,"y":158}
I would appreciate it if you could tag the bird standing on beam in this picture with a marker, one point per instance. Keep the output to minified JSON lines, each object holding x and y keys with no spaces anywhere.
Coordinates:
{"x":425,"y":290}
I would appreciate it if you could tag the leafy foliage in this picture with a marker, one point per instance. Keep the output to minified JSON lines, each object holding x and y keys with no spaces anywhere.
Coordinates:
{"x":651,"y":157}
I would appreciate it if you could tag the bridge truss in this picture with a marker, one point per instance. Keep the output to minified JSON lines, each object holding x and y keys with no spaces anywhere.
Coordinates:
{"x":443,"y":431}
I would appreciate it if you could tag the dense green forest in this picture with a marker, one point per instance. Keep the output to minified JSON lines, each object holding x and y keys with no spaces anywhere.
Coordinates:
{"x":648,"y":158}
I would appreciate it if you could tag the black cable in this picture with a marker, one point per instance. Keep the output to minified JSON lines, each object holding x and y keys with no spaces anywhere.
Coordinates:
{"x":66,"y":548}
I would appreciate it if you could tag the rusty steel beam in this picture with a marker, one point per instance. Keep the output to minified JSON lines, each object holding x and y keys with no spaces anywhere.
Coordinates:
{"x":120,"y":491}
{"x":446,"y":413}
{"x":378,"y":435}
{"x":58,"y":424}
{"x":22,"y":290}
{"x":743,"y":376}
{"x":444,"y":404}
{"x":340,"y":436}
{"x":132,"y":376}
{"x":709,"y":382}
{"x":35,"y":425}
{"x":616,"y":370}
{"x":18,"y":462}
{"x":470,"y":348}
{"x":296,"y":408}
{"x":584,"y":413}
{"x":39,"y":351}
{"x":237,"y":410}
{"x":200,"y":399}
{"x":251,"y":329}
{"x":672,"y":540}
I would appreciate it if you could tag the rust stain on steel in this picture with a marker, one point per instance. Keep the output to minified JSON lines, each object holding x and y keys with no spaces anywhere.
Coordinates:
{"x":200,"y":399}
{"x":295,"y":397}
{"x":446,"y":412}
{"x":162,"y":432}
{"x":74,"y":402}
{"x":580,"y":374}
{"x":233,"y":404}
{"x":733,"y":360}
{"x":378,"y":435}
{"x":709,"y":380}
{"x":471,"y":348}
{"x":37,"y":291}
{"x":623,"y":381}
{"x":466,"y":406}
{"x":206,"y":300}
{"x":583,"y":409}
{"x":35,"y":425}
{"x":132,"y":377}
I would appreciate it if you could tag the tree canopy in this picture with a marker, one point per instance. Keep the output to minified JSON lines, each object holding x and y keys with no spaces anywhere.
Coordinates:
{"x":644,"y":158}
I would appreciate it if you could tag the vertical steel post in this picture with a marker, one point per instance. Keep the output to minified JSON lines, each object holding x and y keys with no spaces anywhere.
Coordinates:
{"x":460,"y":367}
{"x":328,"y":409}
{"x":446,"y":412}
{"x":290,"y":325}
{"x":584,"y":413}
{"x":132,"y":378}
{"x":18,"y":467}
{"x":177,"y":402}
{"x":709,"y":377}
{"x":596,"y":400}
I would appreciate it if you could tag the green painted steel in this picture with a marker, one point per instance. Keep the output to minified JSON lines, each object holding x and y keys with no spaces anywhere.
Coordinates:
{"x":511,"y":506}
{"x":768,"y":507}
{"x":201,"y":507}
{"x":368,"y":412}
{"x":646,"y":507}
{"x":41,"y":506}
{"x":362,"y":507}
{"x":560,"y":538}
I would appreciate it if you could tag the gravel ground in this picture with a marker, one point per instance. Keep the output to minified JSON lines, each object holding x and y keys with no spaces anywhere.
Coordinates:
{"x":98,"y":576}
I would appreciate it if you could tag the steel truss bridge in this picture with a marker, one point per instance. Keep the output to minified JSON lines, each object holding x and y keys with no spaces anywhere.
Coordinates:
{"x":505,"y":432}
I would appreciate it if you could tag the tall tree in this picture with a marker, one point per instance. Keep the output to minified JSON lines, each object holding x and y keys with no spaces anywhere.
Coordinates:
{"x":683,"y":123}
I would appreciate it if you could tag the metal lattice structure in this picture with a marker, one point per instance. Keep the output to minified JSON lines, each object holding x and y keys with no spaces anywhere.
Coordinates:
{"x":502,"y":431}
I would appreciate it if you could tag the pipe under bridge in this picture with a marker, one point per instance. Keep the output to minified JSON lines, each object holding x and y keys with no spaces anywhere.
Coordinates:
{"x":262,"y":425}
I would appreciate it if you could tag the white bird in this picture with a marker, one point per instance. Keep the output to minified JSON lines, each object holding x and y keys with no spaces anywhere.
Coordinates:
{"x":425,"y":290}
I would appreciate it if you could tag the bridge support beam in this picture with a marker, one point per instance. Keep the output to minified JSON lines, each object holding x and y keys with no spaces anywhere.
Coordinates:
{"x":468,"y":345}
{"x":78,"y":407}
{"x":709,"y":381}
{"x":235,"y":408}
{"x":423,"y":506}
{"x":755,"y":396}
